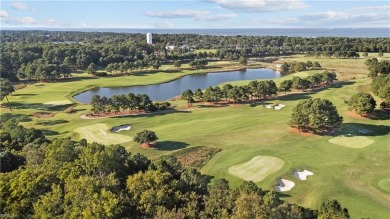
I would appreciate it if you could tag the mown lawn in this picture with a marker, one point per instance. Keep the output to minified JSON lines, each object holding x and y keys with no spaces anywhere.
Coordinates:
{"x":350,"y":175}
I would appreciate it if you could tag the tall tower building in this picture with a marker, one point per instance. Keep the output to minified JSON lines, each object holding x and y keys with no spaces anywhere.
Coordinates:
{"x":149,"y":38}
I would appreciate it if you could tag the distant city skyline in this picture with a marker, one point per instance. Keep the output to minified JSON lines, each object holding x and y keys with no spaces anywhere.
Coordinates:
{"x":194,"y":14}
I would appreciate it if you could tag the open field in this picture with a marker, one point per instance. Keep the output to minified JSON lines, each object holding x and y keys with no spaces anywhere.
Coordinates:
{"x":242,"y":132}
{"x":257,"y":168}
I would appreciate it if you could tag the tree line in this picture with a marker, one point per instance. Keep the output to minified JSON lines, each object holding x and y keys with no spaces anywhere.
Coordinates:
{"x":292,"y":67}
{"x":46,"y":55}
{"x":257,"y":89}
{"x":61,"y":178}
{"x":123,"y":102}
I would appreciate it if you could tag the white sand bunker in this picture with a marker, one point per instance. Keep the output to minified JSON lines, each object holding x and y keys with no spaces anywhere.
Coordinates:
{"x":302,"y":175}
{"x":275,"y":107}
{"x":284,"y":185}
{"x":257,"y":168}
{"x":59,"y":102}
{"x":279,"y":106}
{"x":120,"y":128}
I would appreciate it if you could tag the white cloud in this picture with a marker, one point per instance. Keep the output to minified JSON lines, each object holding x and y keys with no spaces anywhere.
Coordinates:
{"x":368,"y":8}
{"x":163,"y":24}
{"x":3,"y":14}
{"x":195,"y":14}
{"x":325,"y":15}
{"x":335,"y":19}
{"x":25,"y":20}
{"x":177,"y":14}
{"x":19,"y":6}
{"x":259,"y":6}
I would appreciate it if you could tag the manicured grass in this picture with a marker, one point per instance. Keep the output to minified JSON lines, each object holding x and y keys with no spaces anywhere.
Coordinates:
{"x":242,"y":132}
{"x":384,"y":184}
{"x":100,"y":133}
{"x":352,"y":141}
{"x":58,"y":102}
{"x":257,"y":168}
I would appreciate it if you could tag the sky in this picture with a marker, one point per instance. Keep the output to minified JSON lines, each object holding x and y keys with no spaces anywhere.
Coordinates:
{"x":194,"y":14}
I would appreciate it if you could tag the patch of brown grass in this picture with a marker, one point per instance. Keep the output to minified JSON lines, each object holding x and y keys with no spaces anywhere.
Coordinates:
{"x":43,"y":114}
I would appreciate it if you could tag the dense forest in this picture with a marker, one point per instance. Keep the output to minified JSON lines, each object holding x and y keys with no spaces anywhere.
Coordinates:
{"x":49,"y":55}
{"x":59,"y":178}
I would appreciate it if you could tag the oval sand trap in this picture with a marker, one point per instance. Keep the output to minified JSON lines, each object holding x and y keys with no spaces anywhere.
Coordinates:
{"x":99,"y":133}
{"x":352,"y":141}
{"x":120,"y":128}
{"x":257,"y":168}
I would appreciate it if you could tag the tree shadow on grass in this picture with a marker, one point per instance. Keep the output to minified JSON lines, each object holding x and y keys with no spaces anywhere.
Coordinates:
{"x":17,"y":95}
{"x":359,"y":129}
{"x":379,"y":115}
{"x":51,"y":122}
{"x":17,"y":117}
{"x":295,"y":96}
{"x":170,"y":145}
{"x":148,"y":115}
{"x":40,"y":106}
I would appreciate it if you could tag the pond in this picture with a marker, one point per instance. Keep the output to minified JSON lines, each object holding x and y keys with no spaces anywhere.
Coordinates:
{"x":169,"y":90}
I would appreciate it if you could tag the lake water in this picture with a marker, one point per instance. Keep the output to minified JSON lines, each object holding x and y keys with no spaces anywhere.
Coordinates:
{"x":174,"y":88}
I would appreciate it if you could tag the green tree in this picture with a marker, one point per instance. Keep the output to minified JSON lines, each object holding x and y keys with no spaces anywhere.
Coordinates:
{"x":6,"y":88}
{"x":91,"y":68}
{"x":198,"y":94}
{"x":177,"y":64}
{"x":243,"y":60}
{"x":145,"y":137}
{"x":362,"y":103}
{"x":285,"y":86}
{"x":315,"y":115}
{"x":188,"y":95}
{"x":332,"y":209}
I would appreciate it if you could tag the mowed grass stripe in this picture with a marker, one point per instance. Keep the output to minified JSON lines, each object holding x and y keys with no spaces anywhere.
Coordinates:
{"x":257,"y":168}
{"x":99,"y":133}
{"x":352,"y":142}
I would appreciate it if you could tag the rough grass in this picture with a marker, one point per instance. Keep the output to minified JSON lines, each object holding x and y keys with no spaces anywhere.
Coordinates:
{"x":99,"y":133}
{"x":352,"y":141}
{"x":195,"y":157}
{"x":242,"y":132}
{"x":384,"y":185}
{"x":257,"y":168}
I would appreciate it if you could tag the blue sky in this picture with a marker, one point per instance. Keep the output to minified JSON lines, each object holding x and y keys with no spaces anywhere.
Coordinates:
{"x":194,"y":14}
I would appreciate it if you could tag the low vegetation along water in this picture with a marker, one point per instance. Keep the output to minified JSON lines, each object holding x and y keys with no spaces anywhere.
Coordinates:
{"x":174,"y":88}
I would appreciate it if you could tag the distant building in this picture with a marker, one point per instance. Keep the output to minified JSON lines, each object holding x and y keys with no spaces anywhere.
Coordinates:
{"x":149,"y":38}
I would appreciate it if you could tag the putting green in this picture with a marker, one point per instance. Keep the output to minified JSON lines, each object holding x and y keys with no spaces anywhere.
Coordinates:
{"x":384,"y":185}
{"x":352,"y":141}
{"x":59,"y":102}
{"x":257,"y":168}
{"x":100,"y":133}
